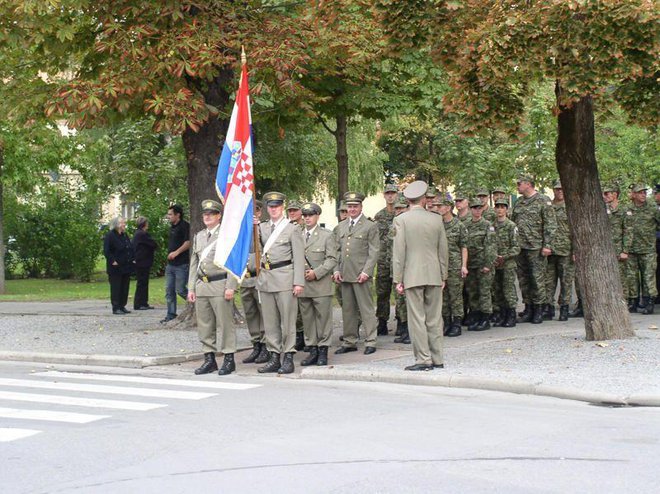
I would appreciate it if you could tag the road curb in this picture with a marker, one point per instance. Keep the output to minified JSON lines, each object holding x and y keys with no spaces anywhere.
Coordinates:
{"x":456,"y":381}
{"x":102,"y":360}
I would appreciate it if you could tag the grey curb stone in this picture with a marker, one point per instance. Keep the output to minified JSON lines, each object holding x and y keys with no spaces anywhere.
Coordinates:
{"x":104,"y":360}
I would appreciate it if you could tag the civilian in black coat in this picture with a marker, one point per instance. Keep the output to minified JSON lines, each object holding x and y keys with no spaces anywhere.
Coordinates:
{"x":118,"y":252}
{"x":144,"y":247}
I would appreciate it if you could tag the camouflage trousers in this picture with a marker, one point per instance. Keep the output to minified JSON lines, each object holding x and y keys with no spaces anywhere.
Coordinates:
{"x":560,"y":269}
{"x":479,"y":288}
{"x":400,"y":310}
{"x":452,"y":295}
{"x":504,"y":289}
{"x":383,"y":292}
{"x":641,"y":273}
{"x":531,"y":276}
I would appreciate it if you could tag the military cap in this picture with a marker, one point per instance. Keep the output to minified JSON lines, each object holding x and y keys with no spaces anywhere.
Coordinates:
{"x":475,"y":202}
{"x":638,"y":187}
{"x":431,"y":192}
{"x":415,"y":190}
{"x":274,"y":198}
{"x":353,"y":198}
{"x":311,"y":208}
{"x":611,"y":188}
{"x":293,"y":205}
{"x":482,"y":192}
{"x":391,"y":188}
{"x":258,"y":204}
{"x":401,"y":203}
{"x":459,"y":195}
{"x":502,"y":202}
{"x":211,"y":206}
{"x":342,"y":206}
{"x":447,"y":202}
{"x":656,"y":189}
{"x":525,"y":177}
{"x":499,"y":188}
{"x":437,"y":199}
{"x":556,"y":184}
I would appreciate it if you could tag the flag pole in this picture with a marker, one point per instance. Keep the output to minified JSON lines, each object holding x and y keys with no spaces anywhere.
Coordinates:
{"x":256,"y":244}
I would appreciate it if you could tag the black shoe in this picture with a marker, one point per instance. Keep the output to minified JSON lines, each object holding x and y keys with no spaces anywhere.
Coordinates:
{"x":168,"y":318}
{"x":527,"y":314}
{"x":510,"y":319}
{"x":563,"y":313}
{"x":323,"y":356}
{"x":369,"y":350}
{"x":471,"y":318}
{"x":345,"y":349}
{"x":484,"y":323}
{"x":454,"y":328}
{"x":228,"y":365}
{"x":446,"y":323}
{"x":209,"y":365}
{"x":648,"y":307}
{"x":406,"y":339}
{"x":641,"y":304}
{"x":419,"y":367}
{"x":287,"y":366}
{"x":300,"y":341}
{"x":382,"y":327}
{"x":273,"y":364}
{"x":307,"y":349}
{"x":537,"y":314}
{"x":124,"y":310}
{"x":577,"y":311}
{"x":549,"y":312}
{"x":476,"y":319}
{"x":313,"y":356}
{"x":118,"y":312}
{"x":632,"y":305}
{"x":399,"y":327}
{"x":264,"y":355}
{"x":256,"y":350}
{"x":438,"y":366}
{"x":404,"y":334}
{"x":497,"y":318}
{"x":144,"y":307}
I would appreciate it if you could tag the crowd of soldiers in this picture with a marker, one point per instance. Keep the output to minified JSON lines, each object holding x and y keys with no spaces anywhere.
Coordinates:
{"x":288,"y":300}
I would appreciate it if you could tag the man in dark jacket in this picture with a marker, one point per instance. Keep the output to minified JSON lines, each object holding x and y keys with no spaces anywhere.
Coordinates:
{"x":144,"y":247}
{"x":118,"y":253}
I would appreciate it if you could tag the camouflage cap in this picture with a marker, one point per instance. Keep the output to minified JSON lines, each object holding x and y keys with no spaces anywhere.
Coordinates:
{"x":390,"y":188}
{"x":611,"y":188}
{"x":353,"y":198}
{"x":638,"y":187}
{"x":499,"y":188}
{"x":482,"y":192}
{"x":415,"y":190}
{"x":525,"y":177}
{"x":475,"y":202}
{"x":502,"y":202}
{"x":459,"y":195}
{"x":401,"y":203}
{"x":211,"y":206}
{"x":293,"y":205}
{"x":556,"y":184}
{"x":274,"y":198}
{"x":438,"y":199}
{"x":447,"y":202}
{"x":311,"y":208}
{"x":431,"y":192}
{"x":342,"y":206}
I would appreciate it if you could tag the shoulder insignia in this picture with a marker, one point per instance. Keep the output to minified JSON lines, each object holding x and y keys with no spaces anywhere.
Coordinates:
{"x":549,"y":203}
{"x":515,"y":229}
{"x":609,"y":211}
{"x":629,"y":213}
{"x":491,"y":228}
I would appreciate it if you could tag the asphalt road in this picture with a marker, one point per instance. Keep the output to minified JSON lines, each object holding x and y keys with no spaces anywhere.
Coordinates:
{"x":283,"y":435}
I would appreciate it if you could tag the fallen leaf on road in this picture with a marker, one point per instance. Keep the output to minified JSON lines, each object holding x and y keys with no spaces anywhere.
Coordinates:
{"x":602,"y":344}
{"x":653,"y":326}
{"x":508,"y":350}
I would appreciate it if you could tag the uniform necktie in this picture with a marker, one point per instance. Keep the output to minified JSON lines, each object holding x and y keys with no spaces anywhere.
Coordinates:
{"x":350,"y":226}
{"x":306,"y":236}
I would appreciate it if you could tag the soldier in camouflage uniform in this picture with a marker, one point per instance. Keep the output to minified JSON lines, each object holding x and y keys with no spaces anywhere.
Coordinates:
{"x":384,"y":219}
{"x":488,"y":212}
{"x":294,"y":214}
{"x":560,"y":263}
{"x":401,"y":311}
{"x":641,"y":223}
{"x":534,"y":217}
{"x":482,"y":252}
{"x":452,"y":294}
{"x":508,"y":248}
{"x":462,"y":206}
{"x":616,"y":215}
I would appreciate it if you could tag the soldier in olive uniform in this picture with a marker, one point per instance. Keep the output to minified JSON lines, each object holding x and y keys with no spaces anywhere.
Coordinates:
{"x":641,"y":223}
{"x":384,"y":219}
{"x":616,"y":215}
{"x":252,"y":306}
{"x":452,"y":294}
{"x":316,"y":301}
{"x":420,"y":270}
{"x":294,"y":214}
{"x":508,"y":248}
{"x":482,"y":252}
{"x":358,"y":244}
{"x":343,"y":214}
{"x":280,"y":282}
{"x":488,"y":213}
{"x":534,"y":217}
{"x":212,"y":292}
{"x":560,"y":263}
{"x":656,"y":194}
{"x":401,"y":312}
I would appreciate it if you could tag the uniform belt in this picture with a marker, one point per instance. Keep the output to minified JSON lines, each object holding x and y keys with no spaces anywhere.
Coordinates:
{"x":208,"y":279}
{"x":250,"y":274}
{"x":275,"y":265}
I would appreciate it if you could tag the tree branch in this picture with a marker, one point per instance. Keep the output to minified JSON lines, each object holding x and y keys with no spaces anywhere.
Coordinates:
{"x":319,"y":118}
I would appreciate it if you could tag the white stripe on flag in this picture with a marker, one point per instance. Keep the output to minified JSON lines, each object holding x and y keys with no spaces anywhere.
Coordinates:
{"x":50,"y":415}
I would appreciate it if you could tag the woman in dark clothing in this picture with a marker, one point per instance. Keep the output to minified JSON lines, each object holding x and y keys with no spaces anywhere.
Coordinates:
{"x":119,"y":257}
{"x":144,"y":247}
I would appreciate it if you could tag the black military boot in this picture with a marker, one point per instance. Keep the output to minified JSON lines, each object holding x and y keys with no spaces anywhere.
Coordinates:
{"x":228,"y":365}
{"x":475,"y":320}
{"x":256,"y":350}
{"x":641,"y":304}
{"x":287,"y":364}
{"x":273,"y":364}
{"x":472,"y":318}
{"x":526,"y":315}
{"x":264,"y":355}
{"x":510,"y":319}
{"x":399,"y":327}
{"x":578,"y":311}
{"x":454,"y":327}
{"x":537,"y":314}
{"x":549,"y":312}
{"x":404,"y":338}
{"x":446,"y":322}
{"x":209,"y":365}
{"x":497,"y":318}
{"x":313,"y":356}
{"x":563,"y":313}
{"x":300,"y":341}
{"x":382,"y":327}
{"x":632,"y":305}
{"x":484,"y":323}
{"x":323,"y":356}
{"x":648,"y":308}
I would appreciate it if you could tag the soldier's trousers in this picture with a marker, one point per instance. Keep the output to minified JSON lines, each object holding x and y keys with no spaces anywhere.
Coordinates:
{"x":560,"y":269}
{"x":479,"y":287}
{"x":383,"y":292}
{"x":253,"y":318}
{"x":452,"y":295}
{"x":357,"y":303}
{"x":400,"y":309}
{"x":531,"y":276}
{"x":317,"y":319}
{"x":641,"y":271}
{"x":425,"y":323}
{"x":280,"y":310}
{"x":215,"y":317}
{"x":504,"y":288}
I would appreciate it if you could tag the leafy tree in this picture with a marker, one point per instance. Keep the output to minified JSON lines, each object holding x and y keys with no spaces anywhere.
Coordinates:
{"x":495,"y":52}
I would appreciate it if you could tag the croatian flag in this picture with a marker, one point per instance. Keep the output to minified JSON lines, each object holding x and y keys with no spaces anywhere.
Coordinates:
{"x":234,"y":183}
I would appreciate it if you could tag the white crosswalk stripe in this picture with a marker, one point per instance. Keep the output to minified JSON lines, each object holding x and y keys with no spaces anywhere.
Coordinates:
{"x":7,"y":434}
{"x":50,"y":415}
{"x":79,"y":402}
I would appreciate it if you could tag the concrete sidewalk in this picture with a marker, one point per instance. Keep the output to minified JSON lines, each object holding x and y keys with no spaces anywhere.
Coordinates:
{"x":550,"y":359}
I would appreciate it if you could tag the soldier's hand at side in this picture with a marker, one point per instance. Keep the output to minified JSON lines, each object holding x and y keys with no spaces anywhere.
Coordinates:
{"x":485,"y":270}
{"x":400,"y":288}
{"x":545,"y":252}
{"x":623,"y":256}
{"x":310,"y":275}
{"x":362,"y":277}
{"x":337,"y":277}
{"x":255,"y":220}
{"x":229,"y":294}
{"x":297,"y":290}
{"x":464,"y":272}
{"x":191,"y":297}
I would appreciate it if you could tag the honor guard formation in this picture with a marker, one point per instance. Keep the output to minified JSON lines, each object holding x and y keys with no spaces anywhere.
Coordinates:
{"x":450,"y":264}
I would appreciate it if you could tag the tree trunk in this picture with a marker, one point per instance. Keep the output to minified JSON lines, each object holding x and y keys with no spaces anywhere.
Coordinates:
{"x":605,"y":312}
{"x":342,"y":157}
{"x":2,"y":223}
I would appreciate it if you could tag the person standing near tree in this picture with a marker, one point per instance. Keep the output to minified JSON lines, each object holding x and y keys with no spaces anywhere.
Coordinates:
{"x":616,"y":215}
{"x":144,"y":247}
{"x":384,"y":219}
{"x":508,"y":249}
{"x":401,"y":334}
{"x":178,"y":260}
{"x":119,"y":256}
